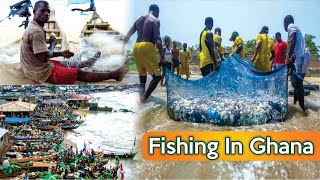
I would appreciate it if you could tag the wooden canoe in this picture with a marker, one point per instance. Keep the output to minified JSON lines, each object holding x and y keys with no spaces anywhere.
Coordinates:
{"x":34,"y":158}
{"x":52,"y":26}
{"x":69,"y":127}
{"x":96,"y":24}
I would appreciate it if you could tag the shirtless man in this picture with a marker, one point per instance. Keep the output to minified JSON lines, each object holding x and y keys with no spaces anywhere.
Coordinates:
{"x":175,"y":58}
{"x":35,"y":56}
{"x":144,"y":51}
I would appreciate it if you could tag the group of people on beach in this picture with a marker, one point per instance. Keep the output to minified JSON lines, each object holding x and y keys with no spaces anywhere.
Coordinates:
{"x":267,"y":56}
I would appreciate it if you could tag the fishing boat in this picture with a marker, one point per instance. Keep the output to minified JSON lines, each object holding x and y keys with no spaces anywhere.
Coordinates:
{"x":70,"y":126}
{"x":8,"y":175}
{"x":52,"y":27}
{"x":121,"y":156}
{"x":35,"y":148}
{"x":33,"y":158}
{"x":96,"y":24}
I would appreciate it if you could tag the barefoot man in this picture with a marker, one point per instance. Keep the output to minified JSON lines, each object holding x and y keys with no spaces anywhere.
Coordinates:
{"x":144,"y":51}
{"x":296,"y":59}
{"x":175,"y":58}
{"x":35,"y":56}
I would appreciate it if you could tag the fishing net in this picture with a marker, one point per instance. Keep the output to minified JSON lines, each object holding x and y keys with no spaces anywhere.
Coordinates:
{"x":236,"y":94}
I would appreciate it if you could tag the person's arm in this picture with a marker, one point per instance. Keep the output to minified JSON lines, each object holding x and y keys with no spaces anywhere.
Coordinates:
{"x":239,"y":48}
{"x":272,"y":55}
{"x":210,"y":46}
{"x":163,"y":52}
{"x":157,"y":38}
{"x":291,"y":46}
{"x":132,"y":30}
{"x":39,"y":46}
{"x":256,"y":51}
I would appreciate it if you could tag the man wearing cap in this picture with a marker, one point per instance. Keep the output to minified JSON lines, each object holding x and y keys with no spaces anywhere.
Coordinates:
{"x":144,"y":51}
{"x":261,"y":57}
{"x":296,"y":59}
{"x":219,"y":50}
{"x":238,"y":44}
{"x":207,"y":59}
{"x":280,"y":50}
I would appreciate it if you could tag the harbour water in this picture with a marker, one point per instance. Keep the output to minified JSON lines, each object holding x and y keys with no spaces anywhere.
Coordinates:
{"x":110,"y":131}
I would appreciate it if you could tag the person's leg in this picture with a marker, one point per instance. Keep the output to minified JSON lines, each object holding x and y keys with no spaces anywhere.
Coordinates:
{"x":101,"y":76}
{"x":162,"y":74}
{"x":143,"y":81}
{"x":81,"y":64}
{"x":152,"y":86}
{"x":178,"y":71}
{"x":301,"y":92}
{"x":205,"y":71}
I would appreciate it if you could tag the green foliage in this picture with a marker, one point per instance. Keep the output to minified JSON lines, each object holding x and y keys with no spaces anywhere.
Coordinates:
{"x":250,"y":46}
{"x":166,"y":38}
{"x":310,"y":44}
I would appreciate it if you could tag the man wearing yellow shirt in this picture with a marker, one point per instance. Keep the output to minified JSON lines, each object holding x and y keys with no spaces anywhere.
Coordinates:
{"x":238,"y":44}
{"x":185,"y":56}
{"x":207,"y":58}
{"x":219,"y":50}
{"x":261,"y":57}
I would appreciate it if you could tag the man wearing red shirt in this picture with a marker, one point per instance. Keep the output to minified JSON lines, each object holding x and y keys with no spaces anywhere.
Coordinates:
{"x":280,"y":49}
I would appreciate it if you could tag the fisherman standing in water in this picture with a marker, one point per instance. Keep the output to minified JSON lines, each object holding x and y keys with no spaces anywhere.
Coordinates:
{"x":175,"y":58}
{"x":148,"y":28}
{"x":207,"y":59}
{"x":35,"y":56}
{"x":295,"y":59}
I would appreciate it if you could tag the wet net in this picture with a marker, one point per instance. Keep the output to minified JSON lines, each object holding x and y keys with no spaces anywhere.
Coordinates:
{"x":234,"y":95}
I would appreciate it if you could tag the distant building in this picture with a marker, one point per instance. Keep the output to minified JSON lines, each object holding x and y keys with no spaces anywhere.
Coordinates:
{"x":17,"y":109}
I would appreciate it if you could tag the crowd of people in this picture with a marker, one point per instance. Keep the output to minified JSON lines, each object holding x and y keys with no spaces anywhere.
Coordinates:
{"x":268,"y":55}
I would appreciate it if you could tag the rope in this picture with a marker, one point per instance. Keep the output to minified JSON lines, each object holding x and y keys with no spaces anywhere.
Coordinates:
{"x":305,"y":81}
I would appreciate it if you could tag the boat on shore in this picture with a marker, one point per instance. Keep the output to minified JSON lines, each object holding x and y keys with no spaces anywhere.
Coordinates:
{"x":52,"y":27}
{"x":69,"y":126}
{"x":97,"y":25}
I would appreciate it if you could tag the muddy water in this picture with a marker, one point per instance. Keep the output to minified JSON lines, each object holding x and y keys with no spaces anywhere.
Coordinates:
{"x":153,"y":117}
{"x":112,"y":131}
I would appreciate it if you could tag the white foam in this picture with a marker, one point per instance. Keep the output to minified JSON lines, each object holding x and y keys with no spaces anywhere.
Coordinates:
{"x":10,"y":54}
{"x":110,"y":48}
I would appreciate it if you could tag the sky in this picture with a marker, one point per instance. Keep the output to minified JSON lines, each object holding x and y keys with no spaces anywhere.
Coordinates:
{"x":183,"y":20}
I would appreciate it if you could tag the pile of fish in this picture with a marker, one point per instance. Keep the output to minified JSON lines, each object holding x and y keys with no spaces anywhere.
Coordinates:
{"x":227,"y":111}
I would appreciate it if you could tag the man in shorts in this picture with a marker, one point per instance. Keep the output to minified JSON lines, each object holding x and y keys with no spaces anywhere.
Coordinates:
{"x":144,"y":51}
{"x":35,"y":56}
